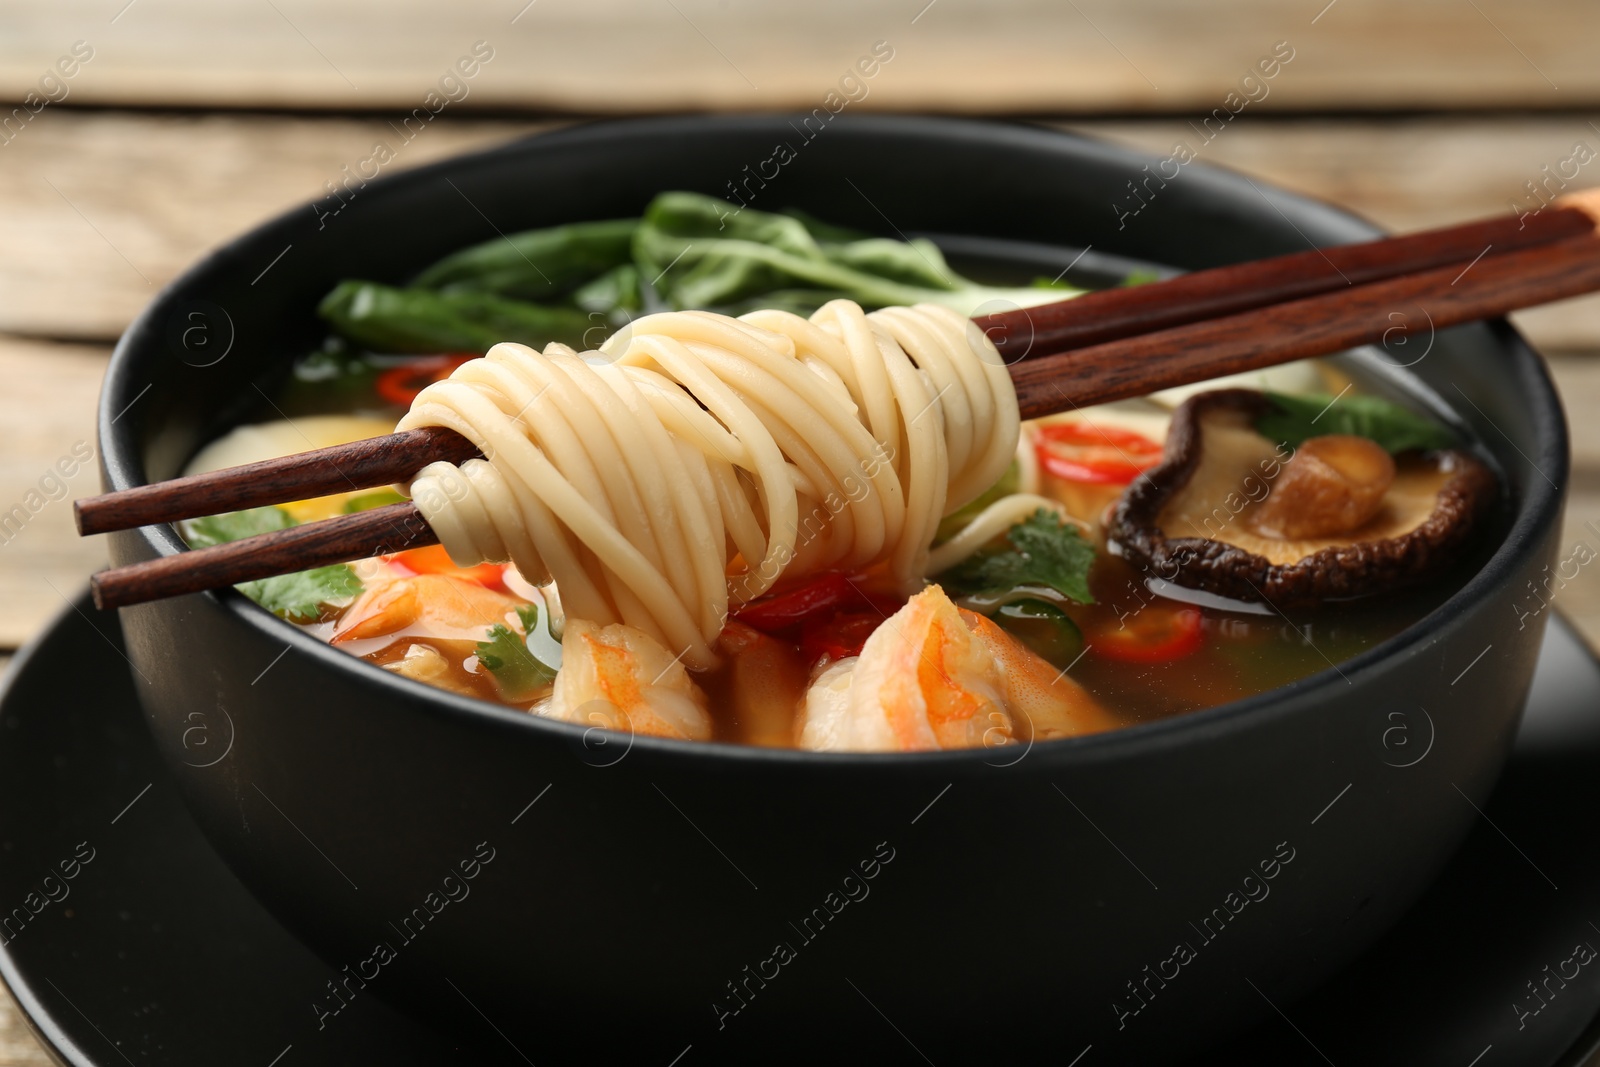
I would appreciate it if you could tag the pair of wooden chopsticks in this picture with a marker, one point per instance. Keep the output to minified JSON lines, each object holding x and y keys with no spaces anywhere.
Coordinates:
{"x":1105,"y":346}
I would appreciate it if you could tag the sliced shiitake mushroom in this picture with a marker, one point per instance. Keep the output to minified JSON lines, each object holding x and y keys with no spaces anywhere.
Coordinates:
{"x":1230,"y":512}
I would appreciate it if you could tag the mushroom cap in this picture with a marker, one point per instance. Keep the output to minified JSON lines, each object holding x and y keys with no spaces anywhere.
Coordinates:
{"x":1187,"y":520}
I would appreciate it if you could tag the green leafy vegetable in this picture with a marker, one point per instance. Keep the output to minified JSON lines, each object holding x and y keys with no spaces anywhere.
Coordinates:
{"x":578,"y":282}
{"x":1044,"y":551}
{"x":1140,"y":277}
{"x":298,"y":597}
{"x":420,"y":320}
{"x":535,"y":264}
{"x":1297,"y":418}
{"x":616,"y":289}
{"x":235,"y":526}
{"x":917,"y":262}
{"x":517,"y":672}
{"x":708,"y":253}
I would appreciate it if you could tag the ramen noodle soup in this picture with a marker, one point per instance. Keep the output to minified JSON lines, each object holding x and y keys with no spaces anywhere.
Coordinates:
{"x":813,"y":525}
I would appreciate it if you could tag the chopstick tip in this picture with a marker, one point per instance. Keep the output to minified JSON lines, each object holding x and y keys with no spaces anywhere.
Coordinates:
{"x":1584,"y":200}
{"x":97,"y":593}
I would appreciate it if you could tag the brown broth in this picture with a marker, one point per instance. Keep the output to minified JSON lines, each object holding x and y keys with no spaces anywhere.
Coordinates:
{"x":1242,"y":653}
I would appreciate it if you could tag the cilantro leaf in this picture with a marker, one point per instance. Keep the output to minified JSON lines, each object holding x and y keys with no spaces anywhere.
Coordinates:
{"x":1298,"y":418}
{"x":1044,"y":551}
{"x":504,"y":653}
{"x":235,"y":525}
{"x":298,"y":597}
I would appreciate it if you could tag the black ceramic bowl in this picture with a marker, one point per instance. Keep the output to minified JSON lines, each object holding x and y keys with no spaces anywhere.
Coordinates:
{"x":1141,"y":892}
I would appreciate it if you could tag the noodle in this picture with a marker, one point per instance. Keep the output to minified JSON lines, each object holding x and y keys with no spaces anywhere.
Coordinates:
{"x":697,"y":458}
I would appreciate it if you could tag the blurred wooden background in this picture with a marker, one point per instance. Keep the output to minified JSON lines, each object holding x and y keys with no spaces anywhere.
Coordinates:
{"x":190,"y":122}
{"x":1045,"y":56}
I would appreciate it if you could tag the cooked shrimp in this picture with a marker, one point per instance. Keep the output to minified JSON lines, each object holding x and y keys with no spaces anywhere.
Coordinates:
{"x":424,"y":605}
{"x":1048,"y":703}
{"x":933,"y":676}
{"x":621,"y":678}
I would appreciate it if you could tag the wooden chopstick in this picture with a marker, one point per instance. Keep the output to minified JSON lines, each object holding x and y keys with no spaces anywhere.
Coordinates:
{"x":1409,"y":306}
{"x":364,"y":464}
{"x":1116,"y":370}
{"x":1111,"y":314}
{"x":374,"y":532}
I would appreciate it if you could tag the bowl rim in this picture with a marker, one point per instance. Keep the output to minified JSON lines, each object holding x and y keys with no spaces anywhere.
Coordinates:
{"x":1542,"y":499}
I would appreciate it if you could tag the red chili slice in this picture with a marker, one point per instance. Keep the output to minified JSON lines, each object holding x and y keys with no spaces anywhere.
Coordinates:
{"x":1097,"y":455}
{"x":838,"y":637}
{"x":400,"y":385}
{"x":1153,"y":634}
{"x":816,"y":600}
{"x":821,"y":595}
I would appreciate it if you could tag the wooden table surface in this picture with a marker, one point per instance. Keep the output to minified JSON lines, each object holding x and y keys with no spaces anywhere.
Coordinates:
{"x":192,"y":122}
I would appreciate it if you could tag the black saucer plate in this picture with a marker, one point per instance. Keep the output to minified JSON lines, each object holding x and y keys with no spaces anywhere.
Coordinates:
{"x":126,"y":939}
